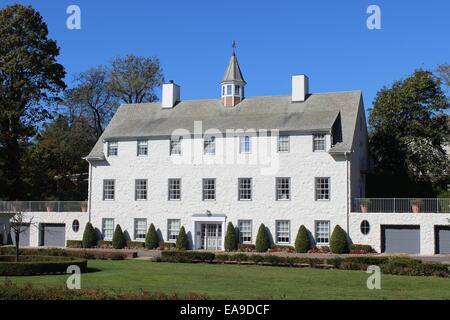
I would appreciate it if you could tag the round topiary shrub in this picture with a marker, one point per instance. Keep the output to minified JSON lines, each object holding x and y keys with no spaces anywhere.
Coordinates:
{"x":302,"y":243}
{"x":182,"y":243}
{"x":118,"y":240}
{"x":262,"y":239}
{"x":230,"y":238}
{"x":151,"y":239}
{"x":338,"y":241}
{"x":89,"y":236}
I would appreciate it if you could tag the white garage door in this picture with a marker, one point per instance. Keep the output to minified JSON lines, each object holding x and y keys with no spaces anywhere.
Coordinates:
{"x":400,"y":239}
{"x":53,"y":235}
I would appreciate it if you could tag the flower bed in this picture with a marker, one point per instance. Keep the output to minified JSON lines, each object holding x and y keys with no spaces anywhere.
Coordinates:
{"x":35,"y":265}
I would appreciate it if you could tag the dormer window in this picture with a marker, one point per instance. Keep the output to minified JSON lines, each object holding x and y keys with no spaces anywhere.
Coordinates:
{"x":112,"y":148}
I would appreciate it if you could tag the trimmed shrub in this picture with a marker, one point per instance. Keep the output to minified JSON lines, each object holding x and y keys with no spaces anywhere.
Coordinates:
{"x":166,"y":246}
{"x":151,"y":239}
{"x":182,"y":242}
{"x":135,"y":245}
{"x":89,"y":236}
{"x":302,"y":243}
{"x":186,"y":256}
{"x":338,"y":241}
{"x":246,"y":247}
{"x":230,"y":238}
{"x":262,"y":239}
{"x":34,"y":265}
{"x":118,"y":240}
{"x":104,"y":244}
{"x":74,"y":244}
{"x":361,"y":249}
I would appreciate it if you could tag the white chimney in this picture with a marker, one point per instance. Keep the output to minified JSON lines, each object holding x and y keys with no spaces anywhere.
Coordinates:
{"x":170,"y":94}
{"x":299,"y":87}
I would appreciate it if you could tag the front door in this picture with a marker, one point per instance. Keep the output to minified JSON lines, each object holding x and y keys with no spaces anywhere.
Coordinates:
{"x":211,"y":236}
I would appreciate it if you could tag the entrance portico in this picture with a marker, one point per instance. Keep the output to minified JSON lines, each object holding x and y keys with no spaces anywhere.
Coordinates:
{"x":209,"y":231}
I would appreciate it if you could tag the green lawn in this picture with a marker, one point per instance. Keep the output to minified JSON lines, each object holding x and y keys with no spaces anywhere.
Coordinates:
{"x":247,"y":282}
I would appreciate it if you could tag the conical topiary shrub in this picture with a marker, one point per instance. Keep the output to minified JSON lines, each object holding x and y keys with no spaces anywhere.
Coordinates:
{"x":118,"y":240}
{"x":302,"y":243}
{"x":338,"y":240}
{"x":230,"y":238}
{"x":151,"y":239}
{"x":262,"y":239}
{"x":182,"y":243}
{"x":89,"y":236}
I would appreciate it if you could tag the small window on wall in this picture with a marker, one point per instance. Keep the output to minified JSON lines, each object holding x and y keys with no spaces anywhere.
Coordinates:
{"x":113,"y":148}
{"x":365,"y":227}
{"x":75,"y":225}
{"x":229,"y":90}
{"x":237,"y":90}
{"x":173,"y":229}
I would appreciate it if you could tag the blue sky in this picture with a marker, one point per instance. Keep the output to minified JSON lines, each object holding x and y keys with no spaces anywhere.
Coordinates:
{"x":327,"y":40}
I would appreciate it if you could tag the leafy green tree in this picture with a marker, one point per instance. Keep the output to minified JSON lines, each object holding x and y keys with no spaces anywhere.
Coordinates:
{"x":55,"y":165}
{"x":151,"y":239}
{"x":30,"y":83}
{"x":182,"y":241}
{"x":118,"y":240}
{"x":409,"y":129}
{"x":262,"y":239}
{"x":89,"y":236}
{"x":302,"y":243}
{"x":338,"y":241}
{"x":133,"y":79}
{"x":230,"y":238}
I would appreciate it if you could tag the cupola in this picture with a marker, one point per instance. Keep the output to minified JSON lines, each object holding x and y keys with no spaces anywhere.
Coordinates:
{"x":233,"y":83}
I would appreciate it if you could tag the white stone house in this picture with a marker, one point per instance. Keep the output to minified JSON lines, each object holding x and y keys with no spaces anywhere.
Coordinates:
{"x":284,"y":161}
{"x":279,"y":160}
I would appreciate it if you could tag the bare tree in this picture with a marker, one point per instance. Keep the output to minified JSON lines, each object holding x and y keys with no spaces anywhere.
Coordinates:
{"x":133,"y":79}
{"x":18,"y":224}
{"x":90,"y":103}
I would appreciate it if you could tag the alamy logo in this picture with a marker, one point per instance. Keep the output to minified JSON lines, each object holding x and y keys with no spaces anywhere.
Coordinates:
{"x":374,"y":281}
{"x":374,"y":20}
{"x":74,"y":280}
{"x":74,"y":20}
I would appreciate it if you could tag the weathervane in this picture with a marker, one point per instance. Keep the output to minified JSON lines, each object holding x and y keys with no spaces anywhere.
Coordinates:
{"x":233,"y":45}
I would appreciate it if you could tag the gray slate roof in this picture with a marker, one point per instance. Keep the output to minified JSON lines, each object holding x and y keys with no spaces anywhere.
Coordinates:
{"x":233,"y":72}
{"x":317,"y":114}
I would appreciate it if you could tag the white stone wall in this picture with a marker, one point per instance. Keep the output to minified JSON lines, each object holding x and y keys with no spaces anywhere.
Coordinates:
{"x":427,"y":221}
{"x":56,"y":217}
{"x":300,"y":164}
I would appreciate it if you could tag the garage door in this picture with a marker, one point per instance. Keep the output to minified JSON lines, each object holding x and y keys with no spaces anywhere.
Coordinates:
{"x":400,"y":239}
{"x":442,"y":239}
{"x":53,"y":235}
{"x":24,"y":237}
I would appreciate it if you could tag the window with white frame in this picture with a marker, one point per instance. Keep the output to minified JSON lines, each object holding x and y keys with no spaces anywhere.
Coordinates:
{"x":142,"y":147}
{"x":319,"y":142}
{"x":229,"y":89}
{"x":113,"y":148}
{"x":175,"y":145}
{"x":174,"y":189}
{"x":283,"y":143}
{"x":141,"y":189}
{"x":209,"y":145}
{"x":108,"y":189}
{"x":323,"y":188}
{"x":245,"y":188}
{"x":245,"y":144}
{"x":245,"y":231}
{"x":322,"y":232}
{"x":140,"y":228}
{"x":283,"y":231}
{"x":283,"y":188}
{"x":173,"y":229}
{"x":209,"y":189}
{"x":107,"y":228}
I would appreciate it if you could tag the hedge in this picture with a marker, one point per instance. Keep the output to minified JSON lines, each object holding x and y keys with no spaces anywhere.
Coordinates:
{"x":135,"y":244}
{"x":84,"y":254}
{"x":388,"y":265}
{"x":35,"y":265}
{"x":74,"y":244}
